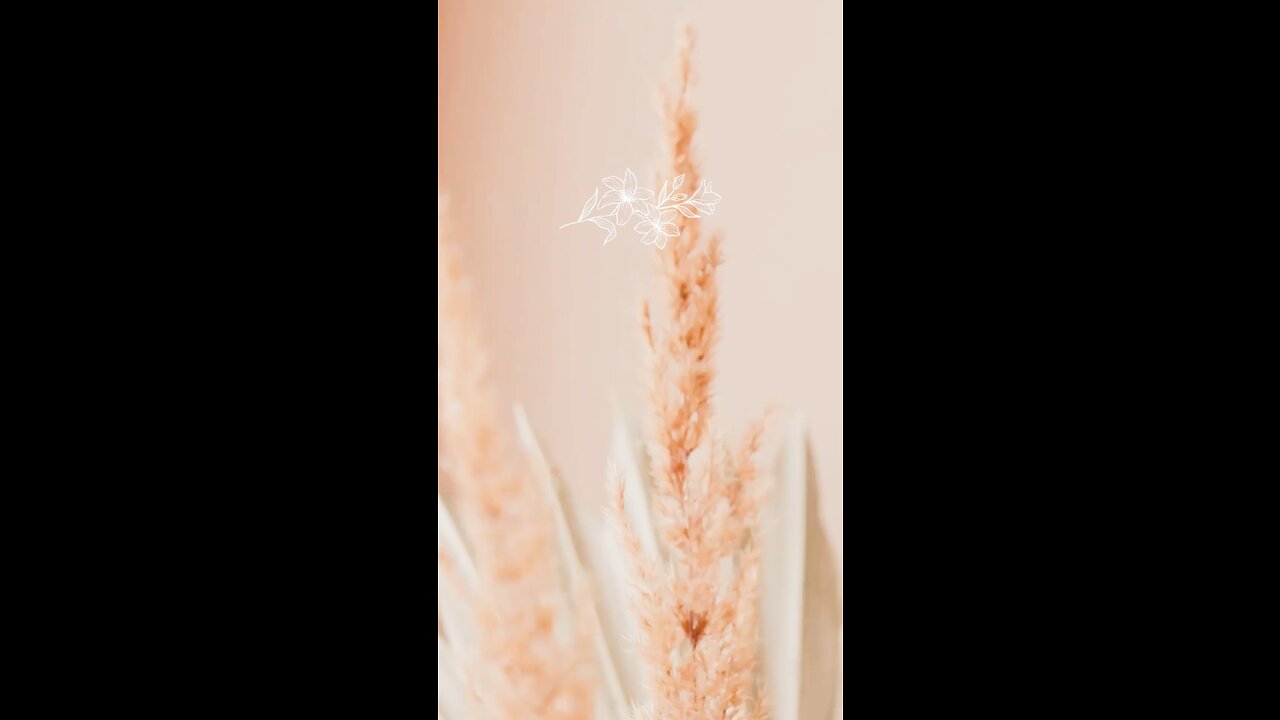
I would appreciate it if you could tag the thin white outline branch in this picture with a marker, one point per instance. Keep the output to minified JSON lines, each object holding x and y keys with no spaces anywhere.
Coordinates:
{"x":701,"y":202}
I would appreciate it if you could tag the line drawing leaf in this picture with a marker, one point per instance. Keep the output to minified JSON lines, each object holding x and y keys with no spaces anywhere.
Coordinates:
{"x":678,"y":181}
{"x":606,"y":225}
{"x":663,"y":196}
{"x":684,"y":210}
{"x":591,"y":205}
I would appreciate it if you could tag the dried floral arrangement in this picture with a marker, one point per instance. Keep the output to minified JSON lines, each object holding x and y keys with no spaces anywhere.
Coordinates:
{"x":664,"y":617}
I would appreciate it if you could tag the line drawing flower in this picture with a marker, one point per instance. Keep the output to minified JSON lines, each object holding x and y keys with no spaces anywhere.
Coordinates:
{"x":625,"y":199}
{"x":624,"y":196}
{"x":656,"y":233}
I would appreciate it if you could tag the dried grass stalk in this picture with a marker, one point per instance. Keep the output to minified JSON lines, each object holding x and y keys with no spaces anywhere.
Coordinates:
{"x":699,"y":607}
{"x":533,"y":660}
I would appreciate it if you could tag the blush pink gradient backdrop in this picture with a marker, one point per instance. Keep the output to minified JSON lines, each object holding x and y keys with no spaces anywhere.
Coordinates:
{"x":540,"y":100}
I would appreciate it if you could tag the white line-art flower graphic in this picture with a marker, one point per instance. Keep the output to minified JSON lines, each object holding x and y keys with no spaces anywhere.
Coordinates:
{"x":656,"y":233}
{"x":656,"y":221}
{"x":625,"y":197}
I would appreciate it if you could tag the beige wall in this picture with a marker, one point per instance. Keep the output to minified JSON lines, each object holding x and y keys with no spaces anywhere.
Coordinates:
{"x":539,"y":100}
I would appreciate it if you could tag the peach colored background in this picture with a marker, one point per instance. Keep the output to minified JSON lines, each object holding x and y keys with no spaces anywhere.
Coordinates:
{"x":540,"y":100}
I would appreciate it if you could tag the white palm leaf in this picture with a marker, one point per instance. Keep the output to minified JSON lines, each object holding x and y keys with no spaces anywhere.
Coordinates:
{"x":800,"y":600}
{"x":574,"y":555}
{"x":455,"y":637}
